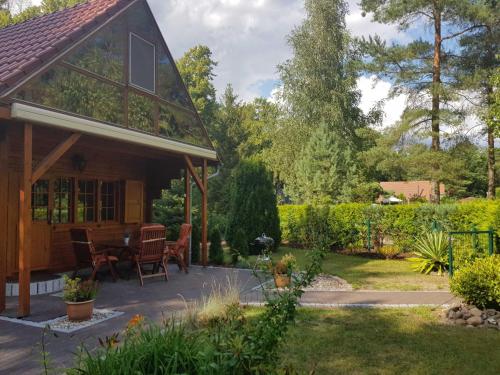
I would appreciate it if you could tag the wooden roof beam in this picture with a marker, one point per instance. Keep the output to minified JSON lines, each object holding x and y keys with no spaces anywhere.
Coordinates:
{"x":54,"y":156}
{"x":196,"y":178}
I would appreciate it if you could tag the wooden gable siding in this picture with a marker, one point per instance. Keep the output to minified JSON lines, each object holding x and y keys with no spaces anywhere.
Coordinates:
{"x":106,"y":160}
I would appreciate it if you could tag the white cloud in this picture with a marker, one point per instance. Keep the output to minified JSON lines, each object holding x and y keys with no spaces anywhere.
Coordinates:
{"x":374,"y":91}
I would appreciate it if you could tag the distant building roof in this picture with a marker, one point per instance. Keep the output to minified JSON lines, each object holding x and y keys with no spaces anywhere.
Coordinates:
{"x":27,"y":46}
{"x":410,"y":189}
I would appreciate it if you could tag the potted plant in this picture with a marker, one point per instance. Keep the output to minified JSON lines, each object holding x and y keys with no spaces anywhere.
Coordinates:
{"x":79,"y":297}
{"x":283,"y":270}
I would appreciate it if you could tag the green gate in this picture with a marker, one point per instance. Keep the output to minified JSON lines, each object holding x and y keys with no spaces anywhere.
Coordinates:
{"x":469,"y":243}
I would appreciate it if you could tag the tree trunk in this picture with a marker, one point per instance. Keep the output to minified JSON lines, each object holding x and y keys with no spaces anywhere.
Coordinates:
{"x":491,"y":152}
{"x":435,"y":91}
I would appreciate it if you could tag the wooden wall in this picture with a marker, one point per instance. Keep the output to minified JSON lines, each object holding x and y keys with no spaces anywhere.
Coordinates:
{"x":106,"y":160}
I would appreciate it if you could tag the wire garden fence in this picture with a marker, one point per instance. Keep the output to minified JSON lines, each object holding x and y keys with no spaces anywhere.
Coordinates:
{"x":462,"y":245}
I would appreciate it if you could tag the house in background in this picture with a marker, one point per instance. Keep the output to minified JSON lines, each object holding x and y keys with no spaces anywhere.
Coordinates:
{"x":411,"y":189}
{"x":94,"y":122}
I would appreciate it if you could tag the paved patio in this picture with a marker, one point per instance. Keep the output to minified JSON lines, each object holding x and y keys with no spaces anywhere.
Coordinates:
{"x":20,"y":344}
{"x":20,"y":351}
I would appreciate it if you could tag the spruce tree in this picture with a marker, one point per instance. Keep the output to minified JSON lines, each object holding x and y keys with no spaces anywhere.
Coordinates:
{"x":327,"y":170}
{"x":253,"y":209}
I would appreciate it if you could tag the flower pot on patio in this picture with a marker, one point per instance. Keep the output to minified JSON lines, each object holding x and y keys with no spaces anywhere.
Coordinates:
{"x":79,"y":311}
{"x":282,"y":280}
{"x":79,"y":297}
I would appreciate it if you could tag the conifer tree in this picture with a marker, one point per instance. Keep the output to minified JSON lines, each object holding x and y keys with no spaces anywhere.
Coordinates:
{"x":215,"y":252}
{"x":327,"y":170}
{"x":319,"y":85}
{"x":421,"y":69}
{"x":252,"y":209}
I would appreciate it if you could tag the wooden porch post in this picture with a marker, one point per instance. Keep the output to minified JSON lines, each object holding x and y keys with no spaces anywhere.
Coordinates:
{"x":204,"y":215}
{"x":25,"y":224}
{"x":3,"y":213}
{"x":187,"y":207}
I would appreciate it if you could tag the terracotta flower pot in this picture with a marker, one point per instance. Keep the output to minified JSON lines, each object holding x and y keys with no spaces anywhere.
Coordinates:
{"x":282,"y":280}
{"x":79,"y":311}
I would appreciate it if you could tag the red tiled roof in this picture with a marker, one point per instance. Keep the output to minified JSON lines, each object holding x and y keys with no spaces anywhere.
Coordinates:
{"x":26,"y":46}
{"x":410,"y":189}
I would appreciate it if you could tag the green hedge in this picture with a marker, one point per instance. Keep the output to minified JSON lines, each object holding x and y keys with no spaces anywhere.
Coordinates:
{"x":401,"y":223}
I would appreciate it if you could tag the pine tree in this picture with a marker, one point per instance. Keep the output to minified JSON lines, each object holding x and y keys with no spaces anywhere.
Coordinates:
{"x":253,"y":209}
{"x":474,"y":68}
{"x":421,"y":69}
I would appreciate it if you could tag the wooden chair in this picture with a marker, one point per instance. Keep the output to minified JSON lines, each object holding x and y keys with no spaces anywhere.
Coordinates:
{"x":86,"y":254}
{"x":150,"y":251}
{"x":177,"y":249}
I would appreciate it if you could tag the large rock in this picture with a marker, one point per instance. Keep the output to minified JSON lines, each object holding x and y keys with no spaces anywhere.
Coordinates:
{"x":475,"y":312}
{"x":460,"y":322}
{"x":474,"y":321}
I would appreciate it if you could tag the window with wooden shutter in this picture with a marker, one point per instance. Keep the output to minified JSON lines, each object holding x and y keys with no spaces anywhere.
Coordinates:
{"x":133,"y":201}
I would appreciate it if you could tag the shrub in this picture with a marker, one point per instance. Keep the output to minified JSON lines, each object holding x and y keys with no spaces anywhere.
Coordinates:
{"x":286,"y":265}
{"x":76,"y":290}
{"x":347,"y":222}
{"x":389,"y":251}
{"x":431,"y":253}
{"x":478,"y":282}
{"x":215,"y":253}
{"x":253,"y":207}
{"x":239,"y":246}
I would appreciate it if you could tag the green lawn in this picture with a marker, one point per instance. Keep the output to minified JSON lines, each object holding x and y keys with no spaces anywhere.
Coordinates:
{"x":388,"y":341}
{"x":365,"y":273}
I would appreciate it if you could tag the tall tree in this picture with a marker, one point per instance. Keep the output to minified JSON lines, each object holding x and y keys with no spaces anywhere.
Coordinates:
{"x":327,"y":171}
{"x":475,"y":66}
{"x":319,"y":85}
{"x":196,"y":67}
{"x":420,"y":68}
{"x":4,"y":13}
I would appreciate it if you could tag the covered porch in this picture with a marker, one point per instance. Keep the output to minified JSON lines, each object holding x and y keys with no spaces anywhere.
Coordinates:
{"x":58,"y":172}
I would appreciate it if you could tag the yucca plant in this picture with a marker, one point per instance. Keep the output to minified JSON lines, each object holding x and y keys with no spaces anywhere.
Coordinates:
{"x":431,"y":253}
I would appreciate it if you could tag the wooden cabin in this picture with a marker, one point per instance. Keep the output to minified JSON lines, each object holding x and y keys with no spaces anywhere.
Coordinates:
{"x":94,"y":122}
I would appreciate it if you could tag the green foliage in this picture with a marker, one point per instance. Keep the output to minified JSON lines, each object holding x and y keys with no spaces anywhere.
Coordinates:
{"x":215,"y":252}
{"x":253,"y":208}
{"x":286,"y":265}
{"x":319,"y":86}
{"x":169,"y":209}
{"x":195,"y":243}
{"x":326,"y":172}
{"x":239,"y":245}
{"x":478,"y":283}
{"x":217,"y":339}
{"x":389,"y":251}
{"x":431,"y":250}
{"x":76,"y":290}
{"x":196,"y":69}
{"x":346,"y":224}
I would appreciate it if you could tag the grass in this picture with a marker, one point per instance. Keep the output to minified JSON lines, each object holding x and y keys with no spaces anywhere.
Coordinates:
{"x":366,"y":273}
{"x":388,"y":341}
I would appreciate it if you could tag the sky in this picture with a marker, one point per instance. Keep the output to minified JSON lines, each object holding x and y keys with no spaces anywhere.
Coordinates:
{"x":248,"y":40}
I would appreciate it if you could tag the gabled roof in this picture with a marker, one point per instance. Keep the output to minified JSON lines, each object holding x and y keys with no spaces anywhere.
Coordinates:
{"x":27,"y":46}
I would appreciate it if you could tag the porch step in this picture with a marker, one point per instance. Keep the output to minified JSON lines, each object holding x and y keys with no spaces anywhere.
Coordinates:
{"x":52,"y":285}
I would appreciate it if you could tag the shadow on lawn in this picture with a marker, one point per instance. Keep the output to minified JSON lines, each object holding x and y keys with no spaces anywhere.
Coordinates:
{"x":388,"y":341}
